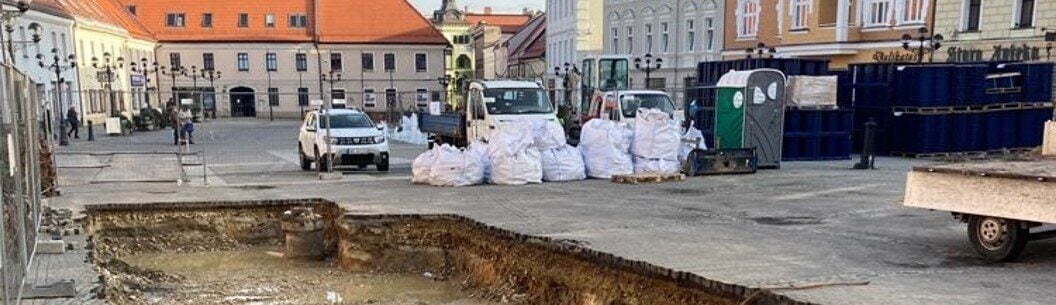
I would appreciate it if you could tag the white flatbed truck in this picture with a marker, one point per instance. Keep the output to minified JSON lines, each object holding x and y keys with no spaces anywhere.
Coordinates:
{"x":1005,"y":203}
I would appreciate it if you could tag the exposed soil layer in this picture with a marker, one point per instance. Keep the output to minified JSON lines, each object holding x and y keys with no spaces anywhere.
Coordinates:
{"x":230,"y":253}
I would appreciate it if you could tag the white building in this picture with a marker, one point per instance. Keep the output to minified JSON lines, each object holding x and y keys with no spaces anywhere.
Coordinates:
{"x":681,"y":33}
{"x":573,"y":30}
{"x":45,"y":30}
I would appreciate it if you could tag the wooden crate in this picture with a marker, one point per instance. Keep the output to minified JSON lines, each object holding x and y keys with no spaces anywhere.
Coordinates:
{"x":640,"y":178}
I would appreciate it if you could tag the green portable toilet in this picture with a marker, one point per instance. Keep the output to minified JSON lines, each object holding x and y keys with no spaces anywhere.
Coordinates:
{"x":750,"y":113}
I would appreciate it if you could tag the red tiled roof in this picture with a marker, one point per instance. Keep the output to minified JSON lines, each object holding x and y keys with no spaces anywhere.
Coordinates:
{"x":51,"y":7}
{"x":225,"y":13}
{"x":374,"y":21}
{"x":106,"y":11}
{"x":509,"y":23}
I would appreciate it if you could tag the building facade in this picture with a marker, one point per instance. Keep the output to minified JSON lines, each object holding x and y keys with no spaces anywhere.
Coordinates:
{"x":843,"y":31}
{"x":460,"y":26}
{"x":379,"y":56}
{"x":996,"y":30}
{"x":46,"y":30}
{"x":681,"y":33}
{"x":574,"y":29}
{"x":527,"y":51}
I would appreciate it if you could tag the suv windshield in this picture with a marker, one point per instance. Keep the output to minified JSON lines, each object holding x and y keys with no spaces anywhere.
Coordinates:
{"x":631,"y":103}
{"x":516,"y":101}
{"x":357,"y":120}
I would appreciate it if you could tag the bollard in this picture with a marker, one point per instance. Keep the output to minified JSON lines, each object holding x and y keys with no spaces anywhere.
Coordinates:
{"x":64,"y":140}
{"x":91,"y":133}
{"x":304,"y":234}
{"x":868,"y":146}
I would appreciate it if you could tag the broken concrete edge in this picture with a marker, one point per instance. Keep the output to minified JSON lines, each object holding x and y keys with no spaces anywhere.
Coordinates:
{"x":1048,"y":143}
{"x":685,"y":279}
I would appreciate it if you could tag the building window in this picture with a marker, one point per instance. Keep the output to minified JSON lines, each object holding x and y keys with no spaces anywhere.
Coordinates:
{"x":271,"y":62}
{"x":207,"y":20}
{"x":176,"y":20}
{"x":370,"y":99}
{"x":273,"y":96}
{"x":269,"y":20}
{"x":709,"y":26}
{"x":800,"y":11}
{"x":664,"y":37}
{"x":368,"y":61}
{"x":912,"y":11}
{"x":463,"y":62}
{"x":243,"y":61}
{"x":298,"y":21}
{"x":615,"y":40}
{"x":691,"y":36}
{"x":174,"y":60}
{"x":390,"y":62}
{"x":630,"y":40}
{"x":337,"y":94}
{"x":421,"y":98}
{"x":208,"y":62}
{"x":877,"y":12}
{"x":747,"y":18}
{"x":973,"y":10}
{"x":132,"y":9}
{"x":421,"y":62}
{"x":302,"y":96}
{"x":462,"y":39}
{"x":1024,"y":14}
{"x":335,"y":61}
{"x":243,"y":20}
{"x":302,"y":62}
{"x":648,"y":38}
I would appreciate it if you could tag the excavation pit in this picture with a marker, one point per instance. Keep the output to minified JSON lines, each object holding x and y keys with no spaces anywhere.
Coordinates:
{"x":232,"y":253}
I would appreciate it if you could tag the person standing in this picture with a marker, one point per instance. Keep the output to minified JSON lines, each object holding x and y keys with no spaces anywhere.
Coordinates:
{"x":174,"y":121}
{"x":187,"y":119}
{"x":75,"y":123}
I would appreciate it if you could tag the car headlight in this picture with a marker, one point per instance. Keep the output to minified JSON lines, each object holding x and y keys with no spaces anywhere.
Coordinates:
{"x":379,"y":139}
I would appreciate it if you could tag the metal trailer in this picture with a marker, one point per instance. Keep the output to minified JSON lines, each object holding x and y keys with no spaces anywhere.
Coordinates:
{"x":1005,"y":203}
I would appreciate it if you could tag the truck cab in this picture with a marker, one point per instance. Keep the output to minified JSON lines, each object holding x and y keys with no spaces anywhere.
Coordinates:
{"x":625,"y":108}
{"x":489,"y":104}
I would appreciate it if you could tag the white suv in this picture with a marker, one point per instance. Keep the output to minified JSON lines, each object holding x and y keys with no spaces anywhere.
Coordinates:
{"x":355,"y":140}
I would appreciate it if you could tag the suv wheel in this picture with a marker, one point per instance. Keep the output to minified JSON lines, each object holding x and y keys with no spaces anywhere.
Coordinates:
{"x":383,"y":164}
{"x":320,"y":161}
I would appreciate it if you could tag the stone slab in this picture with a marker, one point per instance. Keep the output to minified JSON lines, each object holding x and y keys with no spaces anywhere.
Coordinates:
{"x":1048,"y":147}
{"x":51,"y":247}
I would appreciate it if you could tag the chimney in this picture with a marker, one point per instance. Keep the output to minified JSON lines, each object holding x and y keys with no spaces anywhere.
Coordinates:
{"x":487,"y":10}
{"x":466,"y":9}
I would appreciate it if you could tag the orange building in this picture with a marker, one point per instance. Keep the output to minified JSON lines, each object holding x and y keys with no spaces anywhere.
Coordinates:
{"x":843,"y":31}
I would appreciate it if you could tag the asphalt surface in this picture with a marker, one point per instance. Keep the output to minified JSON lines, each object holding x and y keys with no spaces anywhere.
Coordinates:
{"x":808,"y":224}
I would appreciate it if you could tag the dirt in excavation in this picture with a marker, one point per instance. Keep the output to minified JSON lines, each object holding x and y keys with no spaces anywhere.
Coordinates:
{"x":259,"y":275}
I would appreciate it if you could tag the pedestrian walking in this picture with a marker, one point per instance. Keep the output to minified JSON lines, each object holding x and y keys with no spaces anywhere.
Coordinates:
{"x":187,"y":119}
{"x":75,"y":123}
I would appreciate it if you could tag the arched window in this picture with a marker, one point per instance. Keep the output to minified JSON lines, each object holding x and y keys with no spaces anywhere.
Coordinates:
{"x":463,"y":62}
{"x":747,"y":18}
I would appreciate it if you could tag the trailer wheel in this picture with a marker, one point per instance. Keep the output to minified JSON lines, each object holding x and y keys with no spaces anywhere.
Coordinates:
{"x":997,"y":239}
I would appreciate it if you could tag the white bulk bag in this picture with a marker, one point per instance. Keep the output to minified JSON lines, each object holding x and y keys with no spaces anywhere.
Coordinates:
{"x":656,"y":135}
{"x":563,"y":164}
{"x":693,"y":139}
{"x":605,"y":147}
{"x":548,"y":134}
{"x":514,"y":137}
{"x":643,"y":165}
{"x":479,"y":151}
{"x":454,"y":167}
{"x":422,"y":165}
{"x":516,"y":169}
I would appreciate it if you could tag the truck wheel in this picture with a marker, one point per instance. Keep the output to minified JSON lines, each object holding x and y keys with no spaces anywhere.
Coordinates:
{"x":306,"y":164}
{"x":997,"y":239}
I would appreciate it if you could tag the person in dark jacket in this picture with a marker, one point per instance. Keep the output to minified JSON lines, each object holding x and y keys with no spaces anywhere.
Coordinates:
{"x":174,"y":121}
{"x":75,"y":123}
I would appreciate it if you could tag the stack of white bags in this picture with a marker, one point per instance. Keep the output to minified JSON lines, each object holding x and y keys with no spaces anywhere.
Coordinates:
{"x":657,"y":138}
{"x":605,"y":146}
{"x":409,"y":132}
{"x":521,"y":152}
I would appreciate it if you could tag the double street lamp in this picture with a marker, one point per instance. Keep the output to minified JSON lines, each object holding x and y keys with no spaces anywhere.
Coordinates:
{"x":648,"y":64}
{"x":759,"y":50}
{"x":144,"y":67}
{"x":566,"y":84}
{"x":172,"y":73}
{"x":57,"y":65}
{"x":212,"y":75}
{"x":926,"y":43}
{"x":109,"y":66}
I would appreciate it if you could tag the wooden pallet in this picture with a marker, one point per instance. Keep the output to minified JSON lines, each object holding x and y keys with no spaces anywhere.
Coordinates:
{"x":640,"y":178}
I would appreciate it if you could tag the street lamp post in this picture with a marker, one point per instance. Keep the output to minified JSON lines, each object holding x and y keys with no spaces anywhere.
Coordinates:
{"x":759,"y":50}
{"x":330,"y":77}
{"x":109,"y":66}
{"x":7,"y":16}
{"x":565,"y":110}
{"x":58,"y":65}
{"x":172,"y":73}
{"x":193,"y":75}
{"x":650,"y":65}
{"x":927,"y":43}
{"x":212,"y":75}
{"x":444,"y":82}
{"x":145,"y":67}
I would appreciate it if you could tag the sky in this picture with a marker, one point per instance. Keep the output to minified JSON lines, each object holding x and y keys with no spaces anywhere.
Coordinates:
{"x":508,"y":6}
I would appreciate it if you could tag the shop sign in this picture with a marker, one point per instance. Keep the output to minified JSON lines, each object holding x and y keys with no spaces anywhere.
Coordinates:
{"x":1010,"y":52}
{"x":894,"y":56}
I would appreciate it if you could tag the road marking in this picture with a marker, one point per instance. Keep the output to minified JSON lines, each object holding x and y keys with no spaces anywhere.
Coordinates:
{"x":806,"y":195}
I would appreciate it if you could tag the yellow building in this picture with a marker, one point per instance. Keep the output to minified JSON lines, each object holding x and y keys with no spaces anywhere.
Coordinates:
{"x":457,"y":26}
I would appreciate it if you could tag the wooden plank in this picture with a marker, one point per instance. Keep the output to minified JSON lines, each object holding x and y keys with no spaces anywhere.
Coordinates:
{"x":640,"y":178}
{"x":1038,"y":170}
{"x":1020,"y":199}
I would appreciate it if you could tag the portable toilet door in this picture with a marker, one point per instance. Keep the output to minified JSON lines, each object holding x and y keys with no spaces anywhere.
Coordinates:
{"x":750,"y":113}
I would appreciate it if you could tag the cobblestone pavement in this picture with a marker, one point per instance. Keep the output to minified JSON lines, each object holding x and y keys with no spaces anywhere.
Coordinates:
{"x":808,"y":223}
